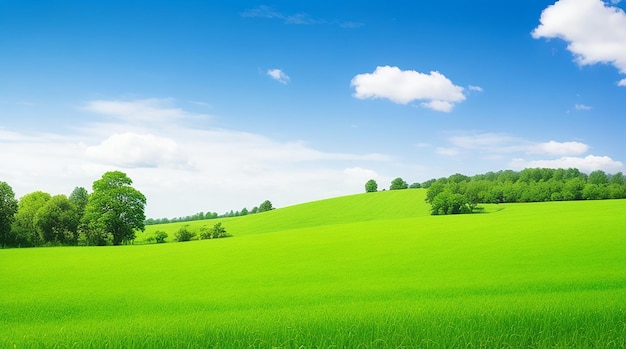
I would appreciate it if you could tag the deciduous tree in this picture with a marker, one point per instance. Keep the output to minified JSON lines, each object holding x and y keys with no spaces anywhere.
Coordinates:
{"x":24,"y":229}
{"x":115,"y":207}
{"x":8,"y":209}
{"x":371,"y":186}
{"x":57,"y":221}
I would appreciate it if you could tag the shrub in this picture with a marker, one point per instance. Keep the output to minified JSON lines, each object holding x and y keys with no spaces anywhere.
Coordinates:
{"x":184,"y":234}
{"x":205,"y":233}
{"x":160,"y":236}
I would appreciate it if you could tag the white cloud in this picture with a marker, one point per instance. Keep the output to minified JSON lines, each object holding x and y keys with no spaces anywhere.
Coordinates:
{"x":497,"y":143}
{"x":404,"y":86}
{"x":621,"y":82}
{"x":586,"y":164}
{"x":594,"y":30}
{"x":443,"y":106}
{"x":559,"y":148}
{"x":475,"y":88}
{"x":132,"y":150}
{"x":582,"y":107}
{"x":157,"y":110}
{"x":447,"y":151}
{"x":180,"y":164}
{"x":278,"y":75}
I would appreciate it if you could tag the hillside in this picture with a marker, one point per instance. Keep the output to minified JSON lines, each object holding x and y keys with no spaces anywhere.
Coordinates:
{"x":378,"y":273}
{"x":346,"y":209}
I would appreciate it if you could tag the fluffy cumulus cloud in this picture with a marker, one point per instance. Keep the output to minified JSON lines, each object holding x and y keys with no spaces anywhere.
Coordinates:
{"x":130,"y":150}
{"x":435,"y":90}
{"x":594,"y":30}
{"x":278,"y":75}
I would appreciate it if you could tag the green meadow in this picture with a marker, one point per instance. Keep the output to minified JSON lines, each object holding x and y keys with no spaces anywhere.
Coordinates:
{"x":371,"y":270}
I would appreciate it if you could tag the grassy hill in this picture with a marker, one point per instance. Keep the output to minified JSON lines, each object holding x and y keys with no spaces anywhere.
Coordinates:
{"x":347,"y":209}
{"x":370,"y":270}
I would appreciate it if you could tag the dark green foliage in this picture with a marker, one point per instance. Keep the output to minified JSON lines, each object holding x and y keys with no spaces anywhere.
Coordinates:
{"x":428,"y":183}
{"x":8,"y":209}
{"x":398,"y":184}
{"x":57,"y":221}
{"x":371,"y":186}
{"x":160,"y":236}
{"x":184,"y":234}
{"x":266,"y":206}
{"x":415,"y":186}
{"x":461,"y":194}
{"x":79,"y":197}
{"x":115,"y":208}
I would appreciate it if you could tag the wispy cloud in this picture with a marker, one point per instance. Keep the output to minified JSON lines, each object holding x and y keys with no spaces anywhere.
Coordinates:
{"x":526,"y":153}
{"x":582,"y":107}
{"x":498,"y":143}
{"x":475,"y":88}
{"x":435,"y":90}
{"x":270,"y":13}
{"x":278,"y":75}
{"x":299,"y":18}
{"x":586,"y":164}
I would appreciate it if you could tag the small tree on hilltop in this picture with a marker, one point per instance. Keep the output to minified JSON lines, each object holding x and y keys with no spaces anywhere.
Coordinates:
{"x":266,"y":206}
{"x":398,"y":184}
{"x":371,"y":186}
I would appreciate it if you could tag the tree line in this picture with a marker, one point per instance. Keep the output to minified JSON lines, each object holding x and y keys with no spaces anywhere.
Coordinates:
{"x":110,"y":215}
{"x":263,"y":207}
{"x":461,"y":194}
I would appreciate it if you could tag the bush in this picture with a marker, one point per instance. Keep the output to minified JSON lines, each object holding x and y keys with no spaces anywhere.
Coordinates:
{"x":184,"y":234}
{"x":205,"y":233}
{"x":218,"y":231}
{"x":160,"y":236}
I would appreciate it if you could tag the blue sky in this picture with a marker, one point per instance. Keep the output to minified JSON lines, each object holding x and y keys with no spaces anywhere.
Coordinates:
{"x":213,"y":106}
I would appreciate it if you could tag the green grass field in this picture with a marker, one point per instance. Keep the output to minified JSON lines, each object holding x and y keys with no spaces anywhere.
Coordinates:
{"x":364,"y":271}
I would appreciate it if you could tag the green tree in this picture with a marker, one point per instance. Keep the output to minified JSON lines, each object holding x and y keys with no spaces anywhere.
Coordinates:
{"x":57,"y":221}
{"x":160,"y":236}
{"x":218,"y":231}
{"x":598,"y":177}
{"x":398,"y":184}
{"x":266,"y":206}
{"x":415,"y":185}
{"x":617,"y":178}
{"x":23,"y":228}
{"x":79,"y":197}
{"x":184,"y":234}
{"x":8,"y":209}
{"x":371,"y":186}
{"x":115,"y":207}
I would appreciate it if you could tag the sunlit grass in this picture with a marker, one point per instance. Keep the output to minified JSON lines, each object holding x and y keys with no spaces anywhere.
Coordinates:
{"x":527,"y":275}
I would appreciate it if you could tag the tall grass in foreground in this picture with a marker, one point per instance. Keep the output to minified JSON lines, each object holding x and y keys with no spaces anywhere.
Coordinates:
{"x":530,"y":275}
